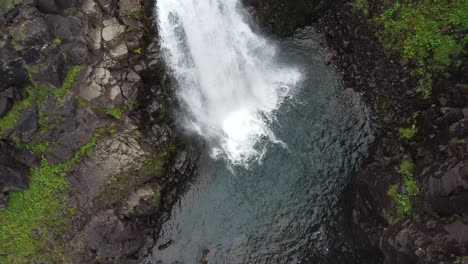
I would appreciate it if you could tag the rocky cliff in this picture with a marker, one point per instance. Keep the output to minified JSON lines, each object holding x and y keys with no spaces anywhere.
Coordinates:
{"x":409,"y":201}
{"x":89,"y":164}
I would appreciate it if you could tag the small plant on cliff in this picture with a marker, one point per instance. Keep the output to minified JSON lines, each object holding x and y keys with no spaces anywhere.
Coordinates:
{"x":408,"y":133}
{"x":138,"y":51}
{"x":57,"y":42}
{"x":114,"y":112}
{"x":403,"y":204}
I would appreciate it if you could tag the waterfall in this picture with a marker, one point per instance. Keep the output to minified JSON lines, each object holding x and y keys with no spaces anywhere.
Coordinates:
{"x":229,"y":81}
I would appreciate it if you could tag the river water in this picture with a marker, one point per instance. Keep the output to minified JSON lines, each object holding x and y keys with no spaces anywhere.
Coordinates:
{"x":262,"y":196}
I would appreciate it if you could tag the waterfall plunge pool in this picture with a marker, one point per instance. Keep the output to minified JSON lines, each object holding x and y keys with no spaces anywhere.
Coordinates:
{"x":273,"y":211}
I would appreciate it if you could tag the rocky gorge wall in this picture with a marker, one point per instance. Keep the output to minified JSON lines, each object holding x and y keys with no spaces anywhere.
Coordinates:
{"x":89,"y":163}
{"x":409,"y":202}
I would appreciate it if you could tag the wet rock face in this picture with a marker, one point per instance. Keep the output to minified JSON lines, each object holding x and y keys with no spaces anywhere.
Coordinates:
{"x":435,"y":229}
{"x":114,"y":237}
{"x":282,"y":17}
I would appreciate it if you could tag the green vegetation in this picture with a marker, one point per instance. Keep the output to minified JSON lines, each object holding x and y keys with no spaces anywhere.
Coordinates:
{"x":15,"y":45}
{"x":57,"y":42}
{"x":431,"y":35}
{"x":9,"y":120}
{"x":408,"y":133}
{"x":361,"y":5}
{"x":155,"y":197}
{"x":39,"y":213}
{"x":38,"y":94}
{"x":7,"y":4}
{"x":137,"y":51}
{"x":403,"y":205}
{"x":114,"y":112}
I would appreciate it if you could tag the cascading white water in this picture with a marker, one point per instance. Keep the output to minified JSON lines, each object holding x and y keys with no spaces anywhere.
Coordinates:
{"x":228,"y":79}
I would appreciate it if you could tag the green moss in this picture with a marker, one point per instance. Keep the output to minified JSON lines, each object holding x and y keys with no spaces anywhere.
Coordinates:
{"x":154,"y":199}
{"x":137,"y":51}
{"x":38,"y":148}
{"x":428,"y":33}
{"x":408,"y":133}
{"x":68,"y":82}
{"x":9,"y":120}
{"x":81,"y":102}
{"x":114,"y":112}
{"x":406,"y":168}
{"x":57,"y":42}
{"x":403,"y":201}
{"x":137,"y":133}
{"x":15,"y":45}
{"x":42,"y":210}
{"x":403,"y":206}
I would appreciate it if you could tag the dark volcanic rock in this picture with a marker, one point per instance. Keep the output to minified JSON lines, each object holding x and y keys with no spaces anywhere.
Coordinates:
{"x":5,"y":105}
{"x":14,"y":174}
{"x":435,"y":229}
{"x":47,"y":6}
{"x":282,"y":17}
{"x":113,"y":237}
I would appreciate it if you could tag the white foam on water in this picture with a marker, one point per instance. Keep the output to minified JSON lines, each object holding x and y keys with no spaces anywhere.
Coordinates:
{"x":228,"y":79}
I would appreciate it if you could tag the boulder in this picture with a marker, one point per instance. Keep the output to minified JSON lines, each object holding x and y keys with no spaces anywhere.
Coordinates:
{"x":47,"y":6}
{"x":14,"y":174}
{"x":119,"y":52}
{"x":112,"y":31}
{"x":129,"y":7}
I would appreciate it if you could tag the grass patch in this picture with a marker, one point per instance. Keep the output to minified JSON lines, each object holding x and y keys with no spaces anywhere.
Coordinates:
{"x":114,"y":112}
{"x":36,"y":216}
{"x":430,"y":34}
